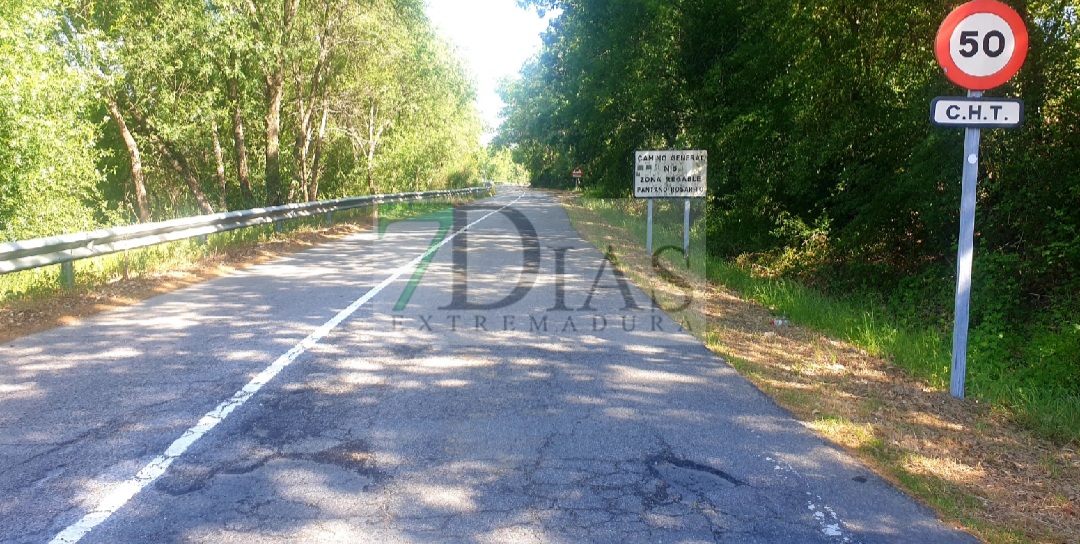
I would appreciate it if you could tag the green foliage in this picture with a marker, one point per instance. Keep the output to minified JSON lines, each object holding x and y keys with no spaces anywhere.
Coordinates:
{"x":93,"y":93}
{"x":497,"y":165}
{"x":824,"y":167}
{"x":48,"y":181}
{"x":410,"y":129}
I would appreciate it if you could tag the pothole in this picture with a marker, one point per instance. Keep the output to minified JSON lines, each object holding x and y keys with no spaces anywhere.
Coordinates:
{"x":354,"y":456}
{"x":409,"y":351}
{"x":688,"y":473}
{"x":676,"y":480}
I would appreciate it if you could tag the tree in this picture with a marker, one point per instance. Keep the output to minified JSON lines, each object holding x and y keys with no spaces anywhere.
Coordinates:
{"x":147,"y":101}
{"x":48,"y":180}
{"x":412,"y":124}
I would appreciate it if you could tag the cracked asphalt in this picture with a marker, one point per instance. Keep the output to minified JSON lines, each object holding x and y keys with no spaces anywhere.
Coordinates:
{"x":515,"y":389}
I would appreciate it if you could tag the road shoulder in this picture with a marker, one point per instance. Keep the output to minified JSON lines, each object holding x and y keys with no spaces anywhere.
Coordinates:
{"x":966,"y":461}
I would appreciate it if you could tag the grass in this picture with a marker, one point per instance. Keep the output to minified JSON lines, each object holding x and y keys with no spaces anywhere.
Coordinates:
{"x":925,"y":353}
{"x":1050,"y":411}
{"x":45,"y":281}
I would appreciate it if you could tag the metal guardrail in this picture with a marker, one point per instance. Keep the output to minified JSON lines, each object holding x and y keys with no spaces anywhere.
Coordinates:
{"x":37,"y":252}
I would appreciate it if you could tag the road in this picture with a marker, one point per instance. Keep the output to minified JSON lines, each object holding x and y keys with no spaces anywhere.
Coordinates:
{"x":511,"y":387}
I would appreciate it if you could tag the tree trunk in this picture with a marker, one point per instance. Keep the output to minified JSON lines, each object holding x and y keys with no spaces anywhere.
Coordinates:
{"x":371,"y":152}
{"x":300,"y":149}
{"x":243,"y":174}
{"x":175,"y":160}
{"x":219,"y":162}
{"x":313,"y":188}
{"x":307,"y":107}
{"x":143,"y":208}
{"x":179,"y":163}
{"x":274,"y":90}
{"x":275,"y":87}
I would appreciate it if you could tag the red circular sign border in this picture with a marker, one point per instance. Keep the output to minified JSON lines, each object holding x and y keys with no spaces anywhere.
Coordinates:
{"x":944,"y":35}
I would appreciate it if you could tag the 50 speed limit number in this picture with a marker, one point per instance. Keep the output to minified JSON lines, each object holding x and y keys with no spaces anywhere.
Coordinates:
{"x":981,"y":44}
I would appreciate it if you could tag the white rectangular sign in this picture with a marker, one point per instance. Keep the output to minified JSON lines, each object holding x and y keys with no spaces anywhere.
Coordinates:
{"x":670,"y":174}
{"x":977,"y":112}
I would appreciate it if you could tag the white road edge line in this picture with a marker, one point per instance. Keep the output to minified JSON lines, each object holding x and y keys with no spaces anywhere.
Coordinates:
{"x":125,"y":491}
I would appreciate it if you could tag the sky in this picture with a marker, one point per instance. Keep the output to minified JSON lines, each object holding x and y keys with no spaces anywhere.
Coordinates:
{"x":494,"y":37}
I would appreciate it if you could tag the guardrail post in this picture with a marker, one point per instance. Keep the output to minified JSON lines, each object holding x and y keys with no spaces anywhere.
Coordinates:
{"x":329,"y":219}
{"x":277,"y":226}
{"x":201,"y":240}
{"x":67,"y":275}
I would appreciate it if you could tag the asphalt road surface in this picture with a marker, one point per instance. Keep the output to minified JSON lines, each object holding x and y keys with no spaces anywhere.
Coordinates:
{"x":511,"y":387}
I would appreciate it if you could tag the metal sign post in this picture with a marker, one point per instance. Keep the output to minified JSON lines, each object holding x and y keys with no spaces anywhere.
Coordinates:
{"x":670,"y":174}
{"x":686,"y":231}
{"x":648,"y":229}
{"x":981,"y":45}
{"x":964,"y":257}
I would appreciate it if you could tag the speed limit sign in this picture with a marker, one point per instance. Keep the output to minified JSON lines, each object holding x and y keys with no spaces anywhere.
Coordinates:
{"x":981,"y":44}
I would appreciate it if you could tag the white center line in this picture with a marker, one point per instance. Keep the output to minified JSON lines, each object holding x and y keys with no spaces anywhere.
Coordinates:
{"x":125,"y":491}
